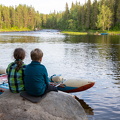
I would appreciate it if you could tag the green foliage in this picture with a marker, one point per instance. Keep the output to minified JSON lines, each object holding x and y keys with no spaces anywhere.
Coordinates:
{"x":22,"y":17}
{"x":104,"y":18}
{"x":74,"y":33}
{"x":96,"y":15}
{"x":117,"y":27}
{"x":88,"y":13}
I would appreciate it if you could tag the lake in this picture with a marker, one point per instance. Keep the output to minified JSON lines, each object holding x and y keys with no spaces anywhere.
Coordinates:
{"x":91,"y":57}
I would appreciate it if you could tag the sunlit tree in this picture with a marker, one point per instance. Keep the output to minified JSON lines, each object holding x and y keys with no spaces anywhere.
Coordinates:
{"x":104,"y":18}
{"x":6,"y":17}
{"x":0,"y":16}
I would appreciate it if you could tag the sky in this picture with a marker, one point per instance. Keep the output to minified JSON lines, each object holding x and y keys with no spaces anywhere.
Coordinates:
{"x":43,"y":6}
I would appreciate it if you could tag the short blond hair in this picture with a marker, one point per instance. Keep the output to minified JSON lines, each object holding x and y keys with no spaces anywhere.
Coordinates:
{"x":36,"y":54}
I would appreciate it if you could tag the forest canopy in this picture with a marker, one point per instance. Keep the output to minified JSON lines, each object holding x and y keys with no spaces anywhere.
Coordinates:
{"x":96,"y":15}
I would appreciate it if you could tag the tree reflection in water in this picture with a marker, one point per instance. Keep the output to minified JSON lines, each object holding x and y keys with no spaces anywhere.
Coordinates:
{"x":86,"y":107}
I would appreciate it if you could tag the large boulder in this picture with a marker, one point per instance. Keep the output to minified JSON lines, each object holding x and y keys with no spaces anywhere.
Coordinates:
{"x":54,"y":106}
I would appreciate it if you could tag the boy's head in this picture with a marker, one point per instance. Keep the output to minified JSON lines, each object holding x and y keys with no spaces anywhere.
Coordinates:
{"x":36,"y":54}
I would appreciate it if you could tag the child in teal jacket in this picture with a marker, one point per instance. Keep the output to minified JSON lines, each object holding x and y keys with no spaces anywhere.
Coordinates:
{"x":36,"y":76}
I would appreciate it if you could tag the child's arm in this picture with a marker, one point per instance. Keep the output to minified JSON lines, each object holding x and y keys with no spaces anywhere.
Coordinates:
{"x":8,"y":68}
{"x":46,"y":77}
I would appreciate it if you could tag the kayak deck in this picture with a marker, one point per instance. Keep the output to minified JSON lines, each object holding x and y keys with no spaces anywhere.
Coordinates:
{"x":70,"y":85}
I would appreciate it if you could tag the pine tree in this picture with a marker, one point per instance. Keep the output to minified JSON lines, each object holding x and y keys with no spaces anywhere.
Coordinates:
{"x":31,"y":18}
{"x":19,"y":16}
{"x":24,"y":10}
{"x":38,"y":21}
{"x":6,"y":17}
{"x":74,"y":20}
{"x":110,"y":4}
{"x":94,"y":13}
{"x":79,"y":17}
{"x":83,"y":17}
{"x":0,"y":16}
{"x":12,"y":16}
{"x":65,"y":17}
{"x":88,"y":13}
{"x":118,"y":14}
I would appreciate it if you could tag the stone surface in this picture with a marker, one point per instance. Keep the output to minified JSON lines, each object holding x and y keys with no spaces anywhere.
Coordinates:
{"x":54,"y":106}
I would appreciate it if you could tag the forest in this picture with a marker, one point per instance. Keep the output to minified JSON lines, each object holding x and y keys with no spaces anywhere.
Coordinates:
{"x":96,"y":15}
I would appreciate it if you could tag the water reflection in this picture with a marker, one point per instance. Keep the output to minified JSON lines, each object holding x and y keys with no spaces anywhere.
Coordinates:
{"x":107,"y":47}
{"x":31,"y":36}
{"x":18,"y":39}
{"x":86,"y":107}
{"x":99,"y":39}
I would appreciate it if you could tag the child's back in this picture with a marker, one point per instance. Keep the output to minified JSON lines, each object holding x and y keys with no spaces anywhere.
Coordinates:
{"x":36,"y":76}
{"x":15,"y":71}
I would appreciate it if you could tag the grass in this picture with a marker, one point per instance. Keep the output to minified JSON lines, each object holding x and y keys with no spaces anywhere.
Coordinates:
{"x":92,"y":32}
{"x":74,"y":33}
{"x":14,"y":29}
{"x":114,"y":32}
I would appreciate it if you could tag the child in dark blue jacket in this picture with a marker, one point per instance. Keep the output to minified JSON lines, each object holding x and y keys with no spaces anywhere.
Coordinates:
{"x":36,"y":76}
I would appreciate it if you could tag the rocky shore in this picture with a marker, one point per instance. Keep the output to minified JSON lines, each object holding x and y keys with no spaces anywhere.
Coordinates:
{"x":54,"y":106}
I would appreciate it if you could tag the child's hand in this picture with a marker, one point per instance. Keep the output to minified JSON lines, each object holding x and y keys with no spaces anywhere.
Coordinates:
{"x":62,"y":85}
{"x":57,"y":85}
{"x":53,"y":84}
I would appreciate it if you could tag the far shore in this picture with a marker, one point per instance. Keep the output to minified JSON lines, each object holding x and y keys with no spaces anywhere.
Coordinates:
{"x":14,"y":30}
{"x":91,"y":32}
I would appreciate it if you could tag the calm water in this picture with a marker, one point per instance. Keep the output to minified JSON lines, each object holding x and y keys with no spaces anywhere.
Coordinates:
{"x":94,"y":58}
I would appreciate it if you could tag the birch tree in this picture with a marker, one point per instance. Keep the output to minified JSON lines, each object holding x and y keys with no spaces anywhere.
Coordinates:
{"x":104,"y":18}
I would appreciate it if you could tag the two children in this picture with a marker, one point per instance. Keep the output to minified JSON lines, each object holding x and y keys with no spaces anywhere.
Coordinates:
{"x":34,"y":76}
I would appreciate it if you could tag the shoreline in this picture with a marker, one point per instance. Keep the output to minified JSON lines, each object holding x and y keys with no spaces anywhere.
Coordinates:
{"x":67,"y":32}
{"x":92,"y":33}
{"x":14,"y":30}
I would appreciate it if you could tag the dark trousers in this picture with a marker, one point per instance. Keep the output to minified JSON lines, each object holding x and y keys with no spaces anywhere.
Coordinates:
{"x":50,"y":88}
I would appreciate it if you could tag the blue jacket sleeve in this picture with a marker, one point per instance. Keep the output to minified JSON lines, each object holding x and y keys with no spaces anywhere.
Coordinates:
{"x":46,"y":77}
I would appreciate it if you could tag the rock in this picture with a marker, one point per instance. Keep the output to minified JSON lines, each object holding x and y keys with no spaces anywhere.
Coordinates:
{"x":54,"y":106}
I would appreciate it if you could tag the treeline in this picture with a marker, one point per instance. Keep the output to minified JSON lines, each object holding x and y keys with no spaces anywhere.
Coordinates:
{"x":21,"y":16}
{"x":96,"y":15}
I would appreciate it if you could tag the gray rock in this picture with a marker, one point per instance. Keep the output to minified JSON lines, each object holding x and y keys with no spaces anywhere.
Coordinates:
{"x":54,"y":106}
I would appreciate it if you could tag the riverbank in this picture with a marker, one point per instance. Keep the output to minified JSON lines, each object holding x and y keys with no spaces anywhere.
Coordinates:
{"x":53,"y":106}
{"x":14,"y":30}
{"x":74,"y":33}
{"x":91,"y":32}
